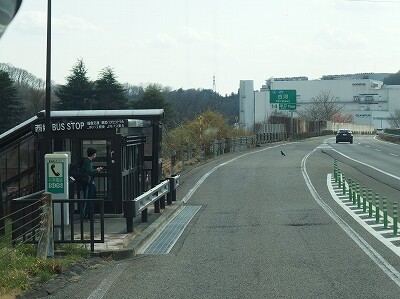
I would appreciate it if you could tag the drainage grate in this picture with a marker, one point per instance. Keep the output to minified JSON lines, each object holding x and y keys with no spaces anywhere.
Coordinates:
{"x":167,"y":238}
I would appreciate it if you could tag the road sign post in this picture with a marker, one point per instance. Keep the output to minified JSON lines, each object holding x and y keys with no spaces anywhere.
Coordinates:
{"x":56,"y":182}
{"x":284,"y":100}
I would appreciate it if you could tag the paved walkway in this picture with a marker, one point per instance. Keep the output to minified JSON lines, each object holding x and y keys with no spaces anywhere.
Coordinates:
{"x":120,"y":244}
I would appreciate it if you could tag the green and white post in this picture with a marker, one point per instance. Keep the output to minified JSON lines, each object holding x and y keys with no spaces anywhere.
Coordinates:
{"x":394,"y":218}
{"x":385,"y":214}
{"x":377,"y":205}
{"x":57,"y":183}
{"x":370,"y":203}
{"x":344,"y":184}
{"x":364,"y":199}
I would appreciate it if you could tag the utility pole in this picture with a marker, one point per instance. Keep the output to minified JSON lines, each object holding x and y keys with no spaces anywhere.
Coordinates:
{"x":48,"y":82}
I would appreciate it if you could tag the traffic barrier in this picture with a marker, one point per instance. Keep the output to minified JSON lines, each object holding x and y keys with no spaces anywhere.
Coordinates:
{"x":335,"y":170}
{"x":369,"y":203}
{"x":364,"y":199}
{"x":344,"y":184}
{"x":350,"y":190}
{"x":384,"y":210}
{"x":394,"y":218}
{"x":377,"y":207}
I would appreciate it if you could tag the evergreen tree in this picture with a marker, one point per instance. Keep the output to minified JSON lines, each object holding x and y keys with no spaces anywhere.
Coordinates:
{"x":110,"y":94}
{"x":78,"y":93}
{"x":153,"y":98}
{"x":10,"y":105}
{"x":393,"y":79}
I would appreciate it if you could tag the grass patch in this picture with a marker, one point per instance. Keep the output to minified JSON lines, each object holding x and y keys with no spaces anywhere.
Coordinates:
{"x":20,"y":268}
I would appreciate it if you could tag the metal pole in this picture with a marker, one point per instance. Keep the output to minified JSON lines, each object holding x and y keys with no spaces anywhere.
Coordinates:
{"x":291,"y":124}
{"x":48,"y":82}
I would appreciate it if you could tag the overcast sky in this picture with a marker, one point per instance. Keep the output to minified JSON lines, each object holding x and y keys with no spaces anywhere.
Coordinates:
{"x":184,"y":43}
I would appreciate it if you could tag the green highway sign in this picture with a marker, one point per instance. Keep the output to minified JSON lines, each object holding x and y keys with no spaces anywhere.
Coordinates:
{"x":283,"y":99}
{"x":287,"y":106}
{"x":282,"y":96}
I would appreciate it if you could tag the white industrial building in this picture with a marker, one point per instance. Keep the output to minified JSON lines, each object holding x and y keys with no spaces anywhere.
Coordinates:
{"x":362,"y":95}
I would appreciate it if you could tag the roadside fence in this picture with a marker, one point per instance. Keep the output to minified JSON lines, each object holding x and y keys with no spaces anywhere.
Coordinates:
{"x":28,"y":229}
{"x":39,"y":219}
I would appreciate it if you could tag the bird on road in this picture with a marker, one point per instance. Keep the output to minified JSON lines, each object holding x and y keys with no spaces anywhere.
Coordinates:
{"x":282,"y":153}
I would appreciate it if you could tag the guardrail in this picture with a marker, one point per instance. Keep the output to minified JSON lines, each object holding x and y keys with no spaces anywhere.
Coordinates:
{"x":155,"y":195}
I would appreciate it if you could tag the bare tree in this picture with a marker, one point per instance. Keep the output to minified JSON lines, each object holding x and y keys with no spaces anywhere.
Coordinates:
{"x":342,"y":118}
{"x":22,"y":77}
{"x":323,"y":107}
{"x":394,"y":120}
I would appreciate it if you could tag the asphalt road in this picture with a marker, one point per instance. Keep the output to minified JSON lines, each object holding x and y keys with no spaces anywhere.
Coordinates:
{"x":267,"y":228}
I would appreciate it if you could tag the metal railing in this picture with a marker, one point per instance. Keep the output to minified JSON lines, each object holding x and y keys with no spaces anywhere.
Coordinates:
{"x":27,"y":210}
{"x":28,"y":229}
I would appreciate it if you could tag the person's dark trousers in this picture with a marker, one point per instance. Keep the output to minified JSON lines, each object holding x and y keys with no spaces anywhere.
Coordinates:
{"x":89,"y":192}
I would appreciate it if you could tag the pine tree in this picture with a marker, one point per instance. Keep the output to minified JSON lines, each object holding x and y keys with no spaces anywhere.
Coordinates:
{"x":10,"y":105}
{"x":78,"y":93}
{"x":110,"y":94}
{"x":153,"y":98}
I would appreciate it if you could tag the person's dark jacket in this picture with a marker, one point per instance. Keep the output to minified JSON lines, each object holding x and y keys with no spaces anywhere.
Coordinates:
{"x":87,"y":166}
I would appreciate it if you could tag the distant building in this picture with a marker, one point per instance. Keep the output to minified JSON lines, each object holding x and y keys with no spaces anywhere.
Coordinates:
{"x":246,"y":102}
{"x":364,"y":96}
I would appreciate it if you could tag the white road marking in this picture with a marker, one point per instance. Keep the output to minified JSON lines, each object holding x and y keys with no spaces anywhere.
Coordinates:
{"x":384,"y":265}
{"x":393,"y":154}
{"x":102,"y":289}
{"x":373,"y":167}
{"x":378,"y":150}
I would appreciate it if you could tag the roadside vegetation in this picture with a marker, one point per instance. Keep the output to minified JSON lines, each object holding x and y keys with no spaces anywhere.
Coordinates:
{"x":20,"y":269}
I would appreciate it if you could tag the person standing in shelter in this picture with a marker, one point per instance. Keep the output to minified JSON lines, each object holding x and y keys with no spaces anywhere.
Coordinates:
{"x":89,"y":187}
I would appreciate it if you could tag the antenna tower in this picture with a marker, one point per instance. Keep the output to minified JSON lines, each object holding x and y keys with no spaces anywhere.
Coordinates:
{"x":214,"y":86}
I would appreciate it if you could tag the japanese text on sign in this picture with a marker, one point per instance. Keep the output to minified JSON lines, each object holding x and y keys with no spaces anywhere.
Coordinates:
{"x":82,"y":125}
{"x":282,"y":96}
